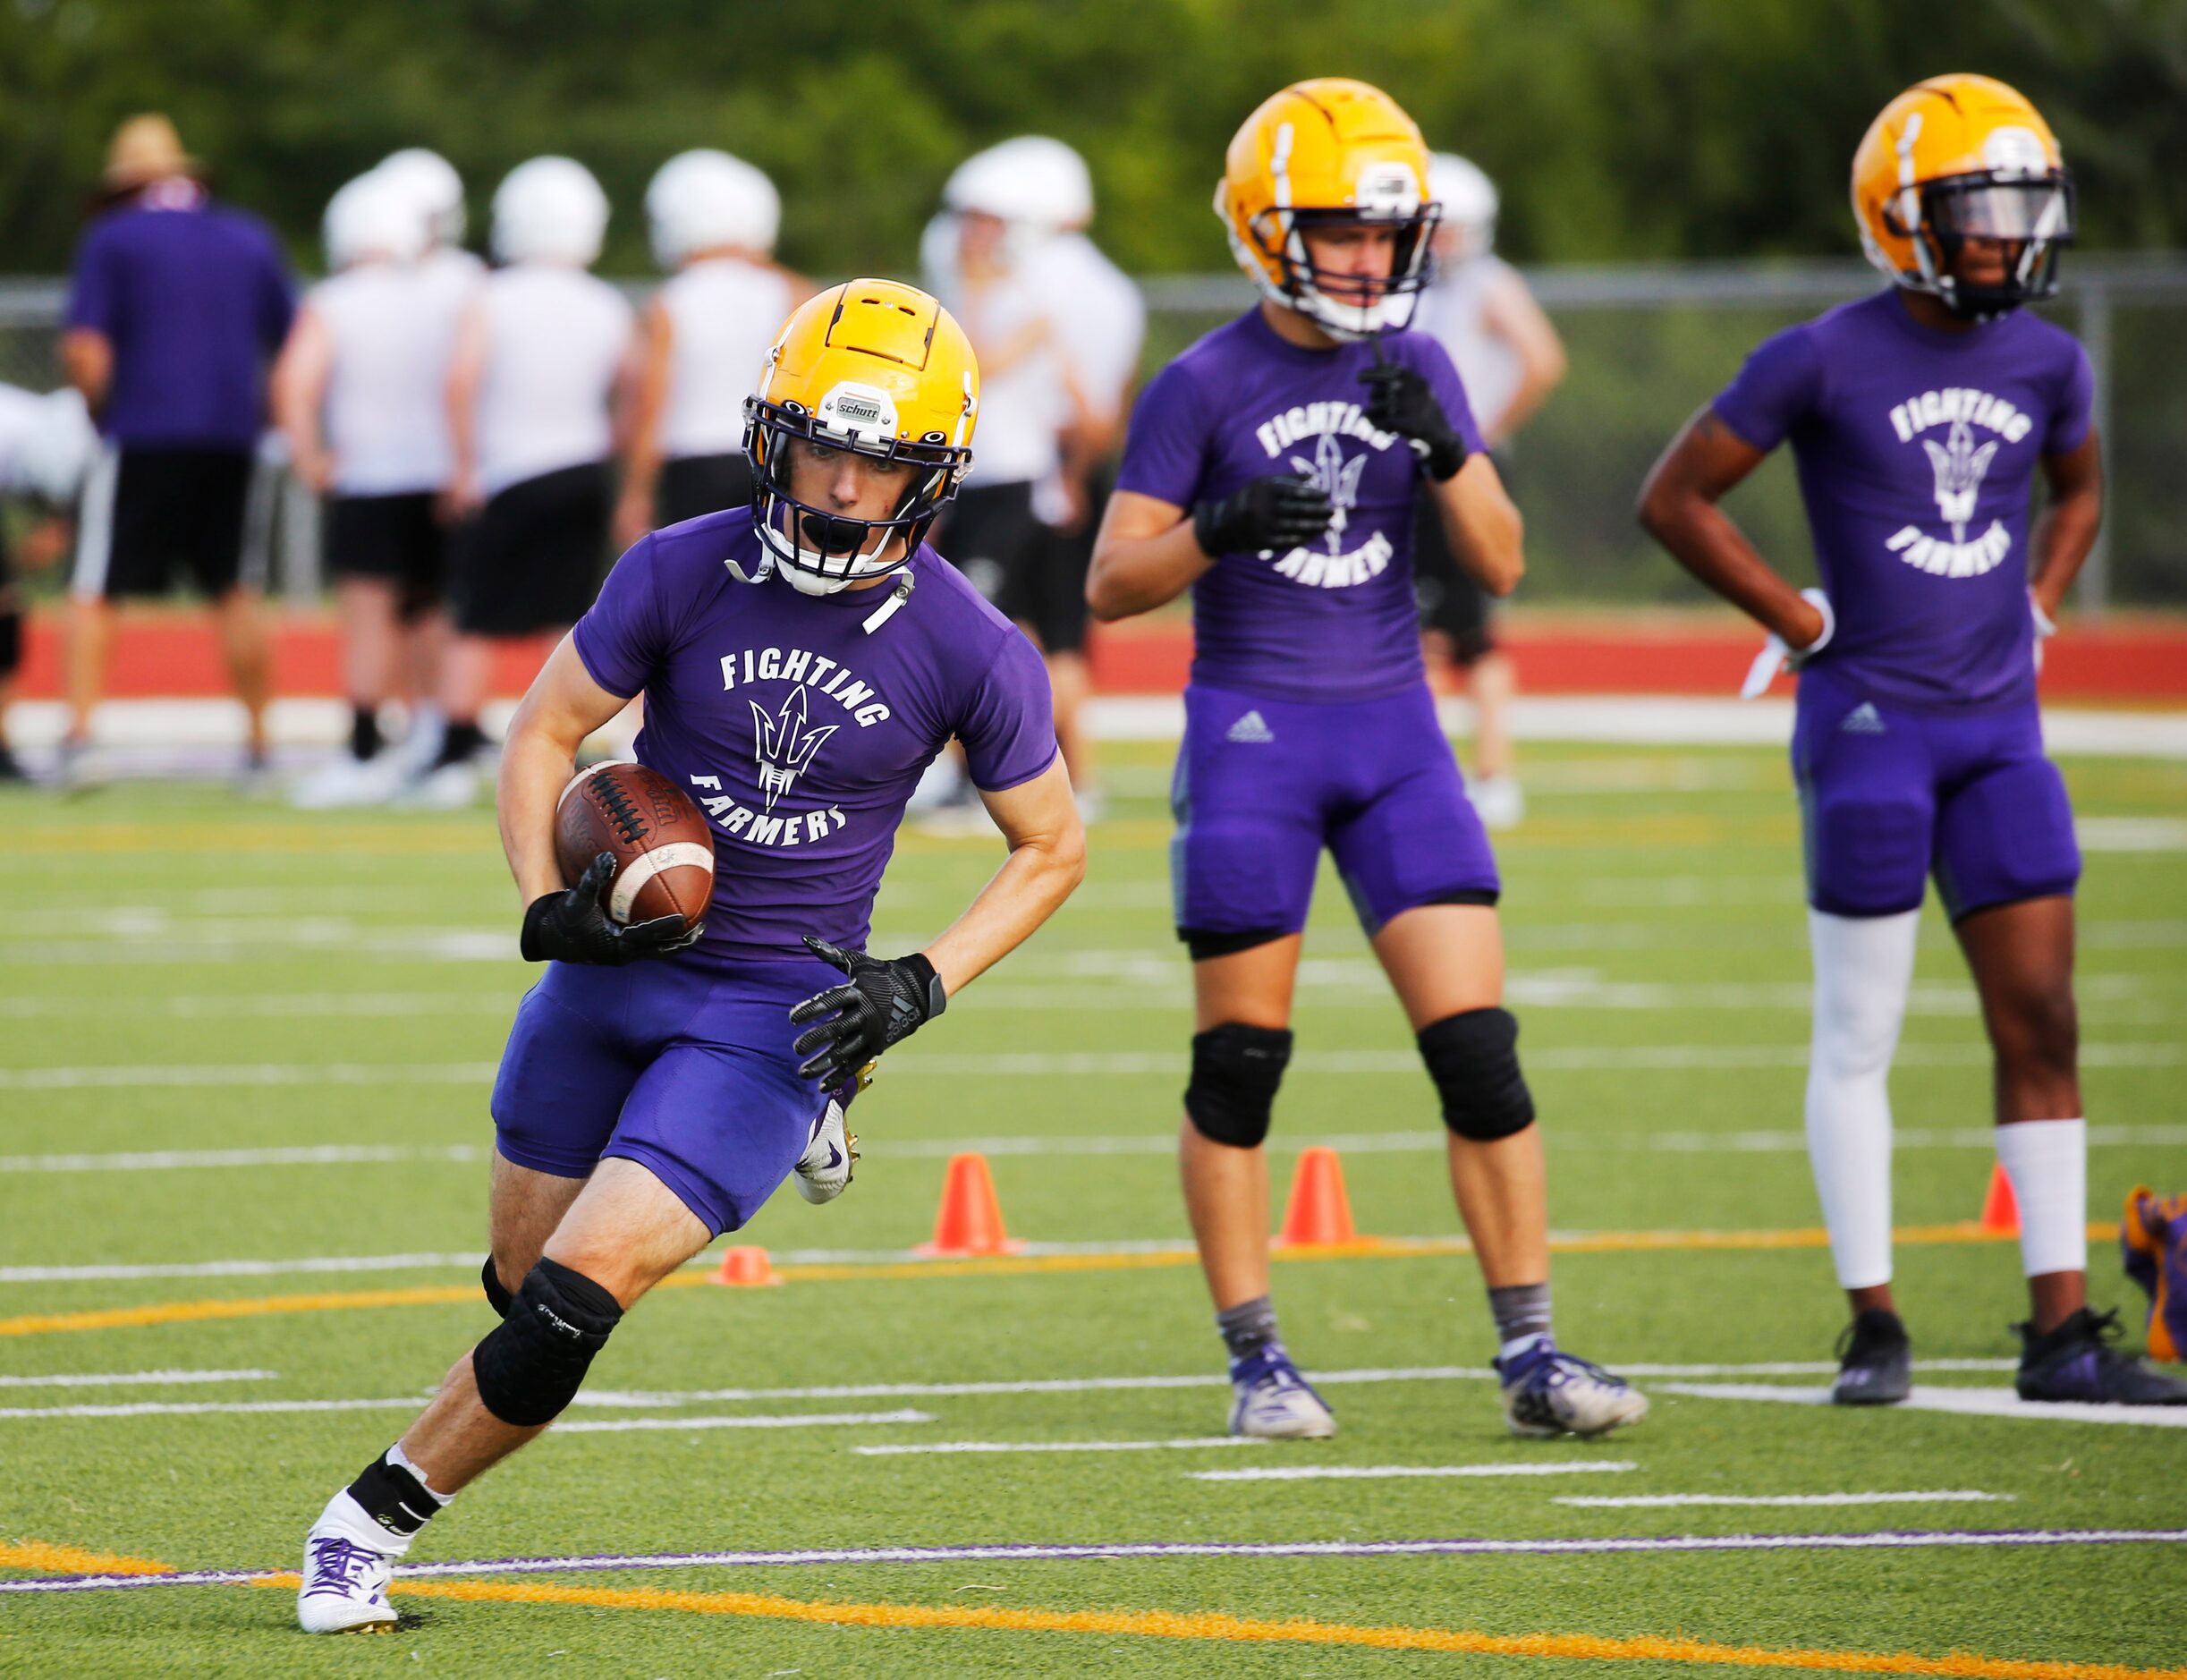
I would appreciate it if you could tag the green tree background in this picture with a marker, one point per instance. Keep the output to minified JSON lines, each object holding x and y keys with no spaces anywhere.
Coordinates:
{"x":1619,"y":128}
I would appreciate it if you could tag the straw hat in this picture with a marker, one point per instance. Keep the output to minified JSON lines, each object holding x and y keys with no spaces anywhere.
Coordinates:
{"x":144,"y":150}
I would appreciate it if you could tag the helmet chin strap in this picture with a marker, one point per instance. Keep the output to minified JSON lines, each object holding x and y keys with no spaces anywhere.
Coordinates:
{"x":810,"y":573}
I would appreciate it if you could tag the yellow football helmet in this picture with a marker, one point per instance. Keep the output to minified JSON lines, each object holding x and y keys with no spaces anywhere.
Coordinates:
{"x":1324,"y":151}
{"x":880,"y":369}
{"x":1960,"y":157}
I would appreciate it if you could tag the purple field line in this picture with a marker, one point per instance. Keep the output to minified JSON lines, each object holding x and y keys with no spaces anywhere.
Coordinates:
{"x":1885,"y":1540}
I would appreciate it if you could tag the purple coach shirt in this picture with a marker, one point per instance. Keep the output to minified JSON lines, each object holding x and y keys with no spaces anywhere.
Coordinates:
{"x":800,"y":731}
{"x":196,"y":300}
{"x":1915,"y":449}
{"x":1334,"y":620}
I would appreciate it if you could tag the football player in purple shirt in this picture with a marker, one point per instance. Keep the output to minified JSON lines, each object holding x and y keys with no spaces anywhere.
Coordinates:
{"x":1918,"y":419}
{"x":802,"y":662}
{"x":1272,"y":470}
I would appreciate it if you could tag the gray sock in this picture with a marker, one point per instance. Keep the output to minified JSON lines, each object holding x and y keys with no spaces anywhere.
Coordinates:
{"x":1249,"y":1326}
{"x":1521,"y":1309}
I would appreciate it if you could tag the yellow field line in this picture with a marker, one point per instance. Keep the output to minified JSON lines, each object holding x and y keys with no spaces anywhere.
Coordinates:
{"x":73,"y":1560}
{"x":1005,"y":1266}
{"x":1208,"y":1624}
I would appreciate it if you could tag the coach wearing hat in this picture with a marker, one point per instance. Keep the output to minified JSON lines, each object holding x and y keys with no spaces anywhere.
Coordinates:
{"x":175,"y":308}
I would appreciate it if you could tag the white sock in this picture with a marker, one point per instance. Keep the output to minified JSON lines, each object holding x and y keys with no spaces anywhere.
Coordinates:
{"x":1864,"y":966}
{"x":2048,"y":1161}
{"x":353,"y":1523}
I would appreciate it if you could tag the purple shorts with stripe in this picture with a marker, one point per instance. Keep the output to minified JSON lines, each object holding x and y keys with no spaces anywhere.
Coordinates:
{"x":672,"y":1062}
{"x":1889,"y":797}
{"x":1262,"y":785}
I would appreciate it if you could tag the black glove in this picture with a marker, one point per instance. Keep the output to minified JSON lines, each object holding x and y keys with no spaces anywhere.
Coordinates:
{"x":884,"y":1004}
{"x":1286,"y":512}
{"x":574,"y":926}
{"x":1398,"y":399}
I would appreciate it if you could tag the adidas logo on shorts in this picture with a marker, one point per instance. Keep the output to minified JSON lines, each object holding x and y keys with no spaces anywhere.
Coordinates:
{"x":1252,"y":727}
{"x":1862,"y":720}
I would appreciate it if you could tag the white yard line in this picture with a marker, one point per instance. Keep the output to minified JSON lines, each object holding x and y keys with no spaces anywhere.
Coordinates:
{"x":1651,"y":1501}
{"x":1385,"y":1472}
{"x":185,"y":1160}
{"x":1192,"y":1444}
{"x":1989,"y":1403}
{"x":135,"y":1379}
{"x":794,"y":1420}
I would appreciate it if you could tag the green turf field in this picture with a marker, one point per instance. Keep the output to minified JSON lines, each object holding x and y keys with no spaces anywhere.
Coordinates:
{"x":230,"y":1033}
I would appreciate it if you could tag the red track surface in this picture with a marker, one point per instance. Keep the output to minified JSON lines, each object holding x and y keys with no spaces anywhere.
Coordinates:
{"x":2144,"y":661}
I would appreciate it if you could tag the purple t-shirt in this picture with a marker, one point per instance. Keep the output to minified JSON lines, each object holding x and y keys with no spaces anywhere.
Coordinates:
{"x":196,"y":300}
{"x":1915,"y":449}
{"x":1334,"y":620}
{"x":798,"y":730}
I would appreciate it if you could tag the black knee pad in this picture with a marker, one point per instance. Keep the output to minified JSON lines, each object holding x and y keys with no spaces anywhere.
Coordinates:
{"x":529,"y":1366}
{"x":498,"y":1295}
{"x":1235,"y":1072}
{"x":1473,"y":1058}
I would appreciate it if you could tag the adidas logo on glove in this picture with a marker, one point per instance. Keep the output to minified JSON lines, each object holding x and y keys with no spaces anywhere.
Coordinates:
{"x":1252,"y":727}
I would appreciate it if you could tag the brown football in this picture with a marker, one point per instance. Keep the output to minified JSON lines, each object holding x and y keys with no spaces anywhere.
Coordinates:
{"x":662,"y":845}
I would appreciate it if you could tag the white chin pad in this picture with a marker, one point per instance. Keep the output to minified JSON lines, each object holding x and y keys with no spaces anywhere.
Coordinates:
{"x":816,"y":571}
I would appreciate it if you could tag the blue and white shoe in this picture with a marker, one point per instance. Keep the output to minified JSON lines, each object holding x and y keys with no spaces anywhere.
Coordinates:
{"x":1547,"y":1393}
{"x":345,"y":1587}
{"x":1273,"y":1403}
{"x":824,"y":1170}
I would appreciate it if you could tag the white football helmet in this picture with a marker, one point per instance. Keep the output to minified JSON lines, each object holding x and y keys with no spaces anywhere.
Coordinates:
{"x":432,"y":181}
{"x":704,"y":199}
{"x":374,"y":216}
{"x":1469,"y":202}
{"x":1032,"y":180}
{"x":549,"y":210}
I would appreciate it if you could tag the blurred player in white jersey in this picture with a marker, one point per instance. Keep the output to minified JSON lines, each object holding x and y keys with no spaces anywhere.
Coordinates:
{"x":714,"y":218}
{"x":46,"y":448}
{"x":1509,"y":358}
{"x":1100,"y":325}
{"x":543,"y":366}
{"x":361,"y":392}
{"x":1001,"y":529}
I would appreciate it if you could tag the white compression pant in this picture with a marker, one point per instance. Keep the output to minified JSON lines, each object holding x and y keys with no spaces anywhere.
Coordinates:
{"x":1863,"y":968}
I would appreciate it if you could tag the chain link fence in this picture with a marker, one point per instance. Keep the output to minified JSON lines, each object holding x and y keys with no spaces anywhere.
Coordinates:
{"x":1649,"y":346}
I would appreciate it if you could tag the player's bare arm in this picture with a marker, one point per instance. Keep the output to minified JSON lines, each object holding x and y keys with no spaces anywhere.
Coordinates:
{"x":1510,"y":313}
{"x":466,"y":369}
{"x":1040,"y":821}
{"x":641,"y":451}
{"x":87,"y":359}
{"x":2066,"y":529}
{"x":1679,"y":509}
{"x":1482,"y":525}
{"x":298,"y":393}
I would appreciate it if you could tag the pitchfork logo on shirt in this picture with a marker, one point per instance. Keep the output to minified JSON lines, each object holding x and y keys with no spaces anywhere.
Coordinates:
{"x":782,"y":745}
{"x":1958,"y":464}
{"x":1325,"y":564}
{"x":1329,"y":473}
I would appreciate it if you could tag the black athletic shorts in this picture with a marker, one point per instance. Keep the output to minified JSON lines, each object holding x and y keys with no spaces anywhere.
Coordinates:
{"x":398,"y":540}
{"x":534,"y":558}
{"x":992,"y":535}
{"x":148,"y":513}
{"x":691,"y":487}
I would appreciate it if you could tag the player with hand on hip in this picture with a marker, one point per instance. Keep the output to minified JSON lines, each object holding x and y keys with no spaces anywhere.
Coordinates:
{"x":802,"y":661}
{"x":1917,"y":417}
{"x":1272,"y":468}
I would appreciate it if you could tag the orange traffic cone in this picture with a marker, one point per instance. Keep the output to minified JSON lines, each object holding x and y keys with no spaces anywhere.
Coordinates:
{"x":2000,"y":1207}
{"x":971,"y":1221}
{"x":1319,"y":1213}
{"x":745,"y":1268}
